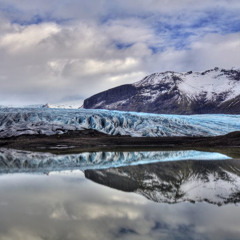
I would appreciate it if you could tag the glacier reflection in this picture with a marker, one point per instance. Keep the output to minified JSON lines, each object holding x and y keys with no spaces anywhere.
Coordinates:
{"x":25,"y":161}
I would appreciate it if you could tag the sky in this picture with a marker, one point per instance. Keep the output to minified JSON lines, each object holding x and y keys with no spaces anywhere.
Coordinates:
{"x":64,"y":51}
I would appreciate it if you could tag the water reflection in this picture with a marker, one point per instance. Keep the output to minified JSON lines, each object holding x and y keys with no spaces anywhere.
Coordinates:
{"x":68,"y":206}
{"x":24,"y":161}
{"x":216,"y":182}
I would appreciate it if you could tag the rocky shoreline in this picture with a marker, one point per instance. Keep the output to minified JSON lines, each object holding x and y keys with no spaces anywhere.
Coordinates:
{"x":92,"y":140}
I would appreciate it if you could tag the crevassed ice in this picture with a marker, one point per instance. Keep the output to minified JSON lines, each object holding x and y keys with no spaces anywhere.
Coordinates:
{"x":18,"y":121}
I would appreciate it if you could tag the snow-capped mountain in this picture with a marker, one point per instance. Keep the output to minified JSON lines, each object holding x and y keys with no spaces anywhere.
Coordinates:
{"x":213,"y":91}
{"x":215,"y":182}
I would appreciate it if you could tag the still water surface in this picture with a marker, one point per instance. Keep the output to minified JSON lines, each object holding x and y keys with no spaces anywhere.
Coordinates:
{"x":162,"y":200}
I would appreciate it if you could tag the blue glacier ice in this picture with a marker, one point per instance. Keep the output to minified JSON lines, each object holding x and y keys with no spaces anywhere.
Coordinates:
{"x":18,"y":121}
{"x":25,"y":161}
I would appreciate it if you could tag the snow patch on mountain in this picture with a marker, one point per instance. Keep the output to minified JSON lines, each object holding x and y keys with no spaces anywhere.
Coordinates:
{"x":209,"y":84}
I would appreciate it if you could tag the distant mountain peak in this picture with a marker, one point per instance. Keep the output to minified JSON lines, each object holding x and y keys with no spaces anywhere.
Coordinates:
{"x":212,"y":91}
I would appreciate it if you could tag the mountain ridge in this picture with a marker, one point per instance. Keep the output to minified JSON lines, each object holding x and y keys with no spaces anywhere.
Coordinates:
{"x":212,"y":91}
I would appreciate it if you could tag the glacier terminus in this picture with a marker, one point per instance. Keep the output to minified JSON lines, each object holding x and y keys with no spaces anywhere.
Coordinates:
{"x":19,"y":121}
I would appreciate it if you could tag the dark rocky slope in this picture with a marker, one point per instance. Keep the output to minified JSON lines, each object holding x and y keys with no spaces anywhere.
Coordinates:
{"x":213,"y":91}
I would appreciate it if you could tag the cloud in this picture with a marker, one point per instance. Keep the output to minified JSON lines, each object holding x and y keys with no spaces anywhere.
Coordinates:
{"x":73,"y":49}
{"x":25,"y":37}
{"x":129,"y":31}
{"x":211,"y":51}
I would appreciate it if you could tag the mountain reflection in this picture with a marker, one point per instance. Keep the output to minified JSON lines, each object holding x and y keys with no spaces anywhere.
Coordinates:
{"x":24,"y":161}
{"x":65,"y":204}
{"x":216,"y":182}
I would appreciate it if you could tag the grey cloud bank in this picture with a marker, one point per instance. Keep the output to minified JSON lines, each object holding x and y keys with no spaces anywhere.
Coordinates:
{"x":59,"y":52}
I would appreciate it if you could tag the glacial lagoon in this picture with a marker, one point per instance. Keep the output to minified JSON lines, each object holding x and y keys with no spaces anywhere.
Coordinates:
{"x":185,"y":194}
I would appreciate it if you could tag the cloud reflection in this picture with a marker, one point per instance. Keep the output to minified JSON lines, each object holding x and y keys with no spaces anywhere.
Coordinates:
{"x":71,"y":207}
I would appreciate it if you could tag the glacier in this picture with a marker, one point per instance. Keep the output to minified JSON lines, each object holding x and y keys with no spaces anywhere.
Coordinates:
{"x":19,"y":121}
{"x":13,"y":161}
